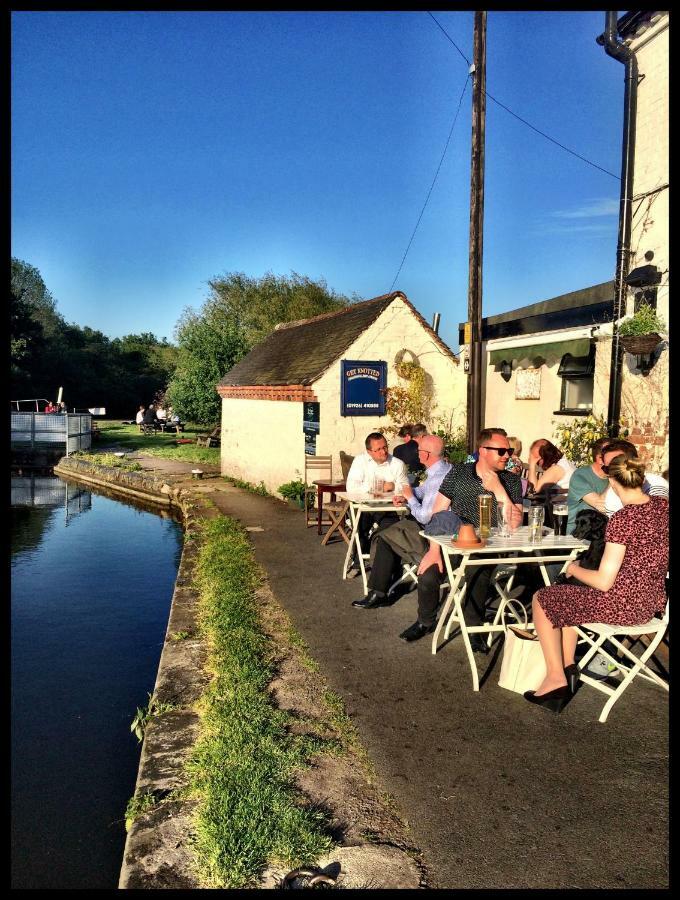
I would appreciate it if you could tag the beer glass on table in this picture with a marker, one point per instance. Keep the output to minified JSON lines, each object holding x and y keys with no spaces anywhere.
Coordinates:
{"x":378,"y":487}
{"x":503,"y":515}
{"x":536,"y":516}
{"x":485,"y":507}
{"x":560,"y":513}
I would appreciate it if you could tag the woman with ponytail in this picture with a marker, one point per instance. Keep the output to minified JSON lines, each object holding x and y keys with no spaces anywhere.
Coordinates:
{"x":627,"y":589}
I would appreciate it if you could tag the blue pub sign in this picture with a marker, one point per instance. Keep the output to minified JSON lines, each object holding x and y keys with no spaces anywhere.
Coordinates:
{"x":362,"y":387}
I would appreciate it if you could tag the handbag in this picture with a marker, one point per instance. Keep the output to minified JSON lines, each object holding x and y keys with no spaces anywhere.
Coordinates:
{"x":523,"y":663}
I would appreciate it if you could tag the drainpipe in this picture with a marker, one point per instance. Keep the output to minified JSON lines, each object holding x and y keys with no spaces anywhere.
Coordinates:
{"x":626,"y":56}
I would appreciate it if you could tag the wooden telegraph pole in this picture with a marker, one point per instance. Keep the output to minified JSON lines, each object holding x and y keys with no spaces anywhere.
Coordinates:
{"x":474,"y":385}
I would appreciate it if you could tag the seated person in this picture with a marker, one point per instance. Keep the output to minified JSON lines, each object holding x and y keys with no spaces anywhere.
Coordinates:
{"x":555,"y":468}
{"x":376,"y":462}
{"x":408,"y":451}
{"x":139,"y":418}
{"x":627,"y":589}
{"x":654,"y":485}
{"x":51,"y":408}
{"x":161,"y":414}
{"x":459,"y":491}
{"x":401,"y":540}
{"x":515,"y":464}
{"x":587,"y":485}
{"x":149,"y":417}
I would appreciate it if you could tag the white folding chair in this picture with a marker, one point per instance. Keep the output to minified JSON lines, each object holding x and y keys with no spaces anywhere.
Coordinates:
{"x":596,"y":634}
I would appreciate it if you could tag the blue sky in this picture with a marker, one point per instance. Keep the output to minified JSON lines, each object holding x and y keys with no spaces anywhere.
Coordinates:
{"x":153,"y":151}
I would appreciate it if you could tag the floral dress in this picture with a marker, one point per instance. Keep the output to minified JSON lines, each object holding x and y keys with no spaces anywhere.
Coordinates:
{"x":639,"y":589}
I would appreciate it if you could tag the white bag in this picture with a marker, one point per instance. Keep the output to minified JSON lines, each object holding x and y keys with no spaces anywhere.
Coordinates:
{"x":523,"y":664}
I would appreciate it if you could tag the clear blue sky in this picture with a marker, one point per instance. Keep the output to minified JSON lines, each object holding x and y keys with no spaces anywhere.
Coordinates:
{"x":152,"y":151}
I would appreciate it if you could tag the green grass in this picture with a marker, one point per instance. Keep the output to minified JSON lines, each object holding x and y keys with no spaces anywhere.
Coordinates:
{"x":242,"y":770}
{"x":108,"y":459}
{"x":164,"y":445}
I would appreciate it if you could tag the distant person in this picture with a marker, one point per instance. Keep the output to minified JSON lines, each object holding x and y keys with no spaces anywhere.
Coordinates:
{"x":149,"y":417}
{"x":139,"y":418}
{"x":554,"y":466}
{"x":62,"y":408}
{"x":407,"y":452}
{"x":51,"y":408}
{"x":161,"y":414}
{"x":515,"y":464}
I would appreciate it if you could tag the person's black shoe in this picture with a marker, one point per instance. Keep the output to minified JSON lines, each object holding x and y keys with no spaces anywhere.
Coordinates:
{"x":371,"y":601}
{"x":478,"y":644}
{"x":416,"y":631}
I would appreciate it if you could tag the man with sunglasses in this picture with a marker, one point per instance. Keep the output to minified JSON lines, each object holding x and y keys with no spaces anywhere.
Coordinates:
{"x":460,"y":491}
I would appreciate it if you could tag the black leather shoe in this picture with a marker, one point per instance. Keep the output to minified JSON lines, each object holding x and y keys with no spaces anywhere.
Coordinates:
{"x":555,"y":700}
{"x":416,"y":631}
{"x":478,"y":644}
{"x":371,"y":601}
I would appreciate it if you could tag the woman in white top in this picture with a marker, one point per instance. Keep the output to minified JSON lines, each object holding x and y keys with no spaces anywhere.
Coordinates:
{"x":140,"y":415}
{"x":555,"y":467}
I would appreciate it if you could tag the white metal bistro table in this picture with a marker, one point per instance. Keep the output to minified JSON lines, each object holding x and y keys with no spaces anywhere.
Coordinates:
{"x":358,"y":504}
{"x":557,"y":548}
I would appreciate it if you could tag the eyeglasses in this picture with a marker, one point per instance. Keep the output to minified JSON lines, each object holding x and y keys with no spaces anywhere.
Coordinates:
{"x":429,"y":452}
{"x":605,"y":469}
{"x":501,"y":451}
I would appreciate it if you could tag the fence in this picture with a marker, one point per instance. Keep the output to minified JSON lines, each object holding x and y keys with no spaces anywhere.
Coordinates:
{"x":51,"y":431}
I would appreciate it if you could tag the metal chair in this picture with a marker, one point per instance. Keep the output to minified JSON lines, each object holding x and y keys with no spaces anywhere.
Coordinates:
{"x":596,"y":633}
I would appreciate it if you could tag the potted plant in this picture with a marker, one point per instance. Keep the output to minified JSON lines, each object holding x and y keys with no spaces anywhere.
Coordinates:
{"x":294,"y":492}
{"x":643,"y":331}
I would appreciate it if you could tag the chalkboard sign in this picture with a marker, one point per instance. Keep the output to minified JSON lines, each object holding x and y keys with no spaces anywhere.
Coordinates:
{"x":362,"y":387}
{"x":311,"y":417}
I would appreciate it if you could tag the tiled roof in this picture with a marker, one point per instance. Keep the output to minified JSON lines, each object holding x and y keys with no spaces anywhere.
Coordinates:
{"x":298,"y":353}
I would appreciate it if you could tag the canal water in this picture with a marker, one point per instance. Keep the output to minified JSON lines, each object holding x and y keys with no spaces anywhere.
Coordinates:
{"x":92,"y":582}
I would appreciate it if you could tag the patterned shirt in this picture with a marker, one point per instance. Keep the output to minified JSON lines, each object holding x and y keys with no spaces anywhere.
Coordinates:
{"x":463,"y":486}
{"x":424,"y":495}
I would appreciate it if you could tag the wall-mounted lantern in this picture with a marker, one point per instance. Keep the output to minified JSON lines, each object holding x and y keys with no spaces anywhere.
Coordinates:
{"x":506,"y":370}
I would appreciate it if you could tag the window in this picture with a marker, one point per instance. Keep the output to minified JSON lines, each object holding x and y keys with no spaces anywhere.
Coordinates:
{"x":577,"y":374}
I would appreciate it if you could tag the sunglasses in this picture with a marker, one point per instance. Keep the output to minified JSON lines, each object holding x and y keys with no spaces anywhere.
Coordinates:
{"x":605,"y":469}
{"x":499,"y":450}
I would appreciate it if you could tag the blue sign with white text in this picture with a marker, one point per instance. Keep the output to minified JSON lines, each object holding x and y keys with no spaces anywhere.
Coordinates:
{"x":362,"y":387}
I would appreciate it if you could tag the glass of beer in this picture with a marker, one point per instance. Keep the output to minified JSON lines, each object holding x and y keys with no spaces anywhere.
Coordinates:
{"x":378,"y":487}
{"x":560,"y":513}
{"x":536,"y":516}
{"x":485,"y":507}
{"x":503,"y":514}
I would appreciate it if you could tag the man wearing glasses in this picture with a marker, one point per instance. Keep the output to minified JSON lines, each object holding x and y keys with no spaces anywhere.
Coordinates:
{"x":460,"y":491}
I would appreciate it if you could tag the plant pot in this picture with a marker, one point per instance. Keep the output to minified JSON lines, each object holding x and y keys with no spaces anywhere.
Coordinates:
{"x":640,"y":343}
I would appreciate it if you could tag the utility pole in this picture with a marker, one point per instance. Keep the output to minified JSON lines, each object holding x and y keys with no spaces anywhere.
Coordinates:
{"x":474,"y":386}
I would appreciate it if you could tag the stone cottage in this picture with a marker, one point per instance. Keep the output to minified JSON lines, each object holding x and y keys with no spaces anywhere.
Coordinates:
{"x":317,"y":386}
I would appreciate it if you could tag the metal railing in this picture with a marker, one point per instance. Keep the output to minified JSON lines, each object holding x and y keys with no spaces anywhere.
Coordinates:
{"x":46,"y":431}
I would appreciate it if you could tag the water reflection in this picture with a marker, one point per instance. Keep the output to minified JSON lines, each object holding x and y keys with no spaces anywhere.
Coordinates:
{"x":90,"y":605}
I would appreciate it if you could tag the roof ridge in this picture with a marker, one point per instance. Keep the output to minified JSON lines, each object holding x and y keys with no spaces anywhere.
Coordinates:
{"x":338,"y":312}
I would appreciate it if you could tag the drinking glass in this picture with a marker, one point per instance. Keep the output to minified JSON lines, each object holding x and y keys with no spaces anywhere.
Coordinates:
{"x":378,"y":487}
{"x":503,"y":514}
{"x":536,"y":516}
{"x":485,"y":507}
{"x":560,"y":513}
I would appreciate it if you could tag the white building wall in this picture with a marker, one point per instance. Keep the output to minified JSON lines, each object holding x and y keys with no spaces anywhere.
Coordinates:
{"x":262,"y":440}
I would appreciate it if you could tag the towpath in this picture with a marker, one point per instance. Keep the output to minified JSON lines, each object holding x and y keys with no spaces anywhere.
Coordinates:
{"x":497,"y":793}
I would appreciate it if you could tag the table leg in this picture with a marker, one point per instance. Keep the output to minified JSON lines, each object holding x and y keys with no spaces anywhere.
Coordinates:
{"x":355,"y":524}
{"x":319,"y":503}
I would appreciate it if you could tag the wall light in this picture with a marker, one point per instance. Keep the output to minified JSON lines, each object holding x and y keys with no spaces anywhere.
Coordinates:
{"x":506,"y":370}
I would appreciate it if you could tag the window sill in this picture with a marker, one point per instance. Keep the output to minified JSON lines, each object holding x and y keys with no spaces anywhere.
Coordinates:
{"x":573,"y":412}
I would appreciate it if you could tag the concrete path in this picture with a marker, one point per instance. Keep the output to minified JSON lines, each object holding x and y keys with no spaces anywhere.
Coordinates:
{"x":497,"y":793}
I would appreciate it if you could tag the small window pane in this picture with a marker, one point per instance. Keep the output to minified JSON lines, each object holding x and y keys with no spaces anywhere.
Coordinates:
{"x":577,"y":393}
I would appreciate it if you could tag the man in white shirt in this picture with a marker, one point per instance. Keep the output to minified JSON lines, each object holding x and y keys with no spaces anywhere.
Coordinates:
{"x":376,"y":462}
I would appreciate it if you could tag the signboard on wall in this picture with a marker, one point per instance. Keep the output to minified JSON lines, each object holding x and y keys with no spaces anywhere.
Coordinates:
{"x":311,"y":417}
{"x":362,"y":387}
{"x":310,"y":444}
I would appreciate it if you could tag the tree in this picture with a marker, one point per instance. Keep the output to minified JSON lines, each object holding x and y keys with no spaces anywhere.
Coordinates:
{"x":238,"y":314}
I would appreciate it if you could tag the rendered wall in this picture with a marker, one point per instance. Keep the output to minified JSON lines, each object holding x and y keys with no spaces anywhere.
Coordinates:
{"x":262,"y":440}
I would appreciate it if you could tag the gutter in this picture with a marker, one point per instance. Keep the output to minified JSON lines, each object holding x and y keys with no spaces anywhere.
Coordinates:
{"x":625,"y":55}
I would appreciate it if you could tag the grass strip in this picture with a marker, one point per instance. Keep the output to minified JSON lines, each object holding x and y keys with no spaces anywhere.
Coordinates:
{"x":162,"y":444}
{"x":242,"y":770}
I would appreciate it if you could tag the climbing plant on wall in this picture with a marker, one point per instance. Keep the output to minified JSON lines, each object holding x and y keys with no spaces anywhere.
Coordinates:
{"x":411,"y":403}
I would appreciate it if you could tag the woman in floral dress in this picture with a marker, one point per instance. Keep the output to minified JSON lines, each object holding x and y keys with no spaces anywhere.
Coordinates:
{"x":627,"y":589}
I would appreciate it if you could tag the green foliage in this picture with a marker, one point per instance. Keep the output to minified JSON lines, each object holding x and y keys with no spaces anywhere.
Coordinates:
{"x":144,"y":713}
{"x":410,"y":403}
{"x":455,"y":441}
{"x":243,"y":768}
{"x":575,"y":439}
{"x":138,"y":805}
{"x":645,"y":321}
{"x":239,"y":313}
{"x":47,"y":353}
{"x":294,"y":491}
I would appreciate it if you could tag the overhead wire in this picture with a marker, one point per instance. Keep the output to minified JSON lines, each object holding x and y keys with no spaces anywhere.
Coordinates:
{"x":429,"y":193}
{"x":524,"y":121}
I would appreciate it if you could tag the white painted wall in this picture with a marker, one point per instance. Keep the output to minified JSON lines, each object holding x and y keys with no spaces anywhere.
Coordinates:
{"x":262,"y":440}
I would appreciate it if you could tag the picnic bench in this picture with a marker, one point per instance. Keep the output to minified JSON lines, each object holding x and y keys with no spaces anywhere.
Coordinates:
{"x":209,"y":440}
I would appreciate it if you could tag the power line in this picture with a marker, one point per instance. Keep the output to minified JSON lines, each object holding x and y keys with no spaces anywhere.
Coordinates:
{"x":524,"y":121}
{"x":446,"y":146}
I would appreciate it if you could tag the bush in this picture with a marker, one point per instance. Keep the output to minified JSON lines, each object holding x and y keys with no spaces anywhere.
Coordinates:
{"x":576,"y":438}
{"x":645,"y":321}
{"x":294,"y":491}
